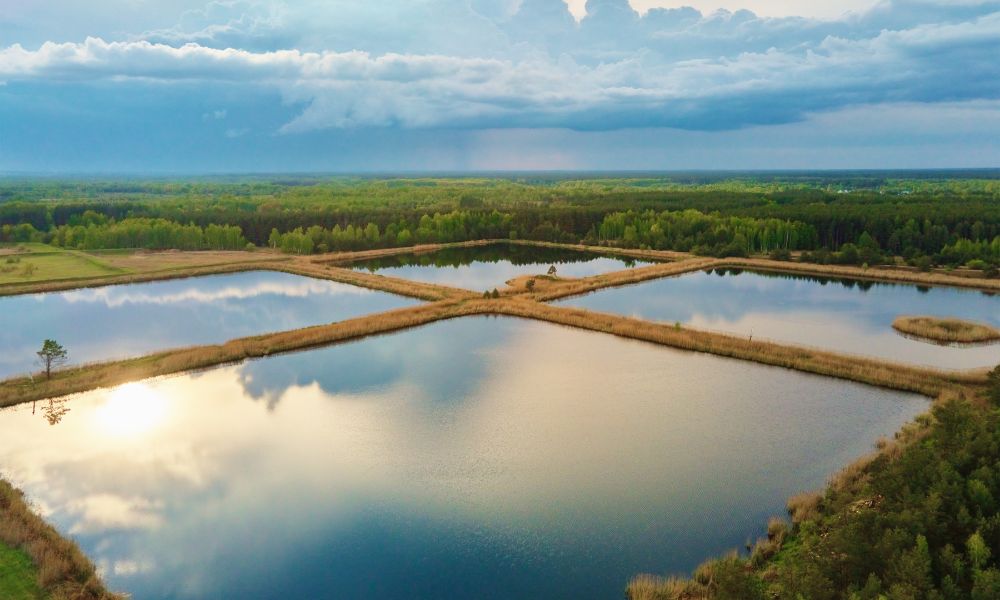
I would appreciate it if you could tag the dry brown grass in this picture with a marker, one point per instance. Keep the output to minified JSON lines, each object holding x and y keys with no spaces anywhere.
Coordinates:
{"x":101,"y":375}
{"x":887,"y":274}
{"x":154,"y":275}
{"x":583,"y":285}
{"x":653,"y":587}
{"x":63,"y":570}
{"x":394,"y":285}
{"x":142,"y":261}
{"x":929,"y":382}
{"x":658,"y":255}
{"x":946,"y":330}
{"x":340,"y":258}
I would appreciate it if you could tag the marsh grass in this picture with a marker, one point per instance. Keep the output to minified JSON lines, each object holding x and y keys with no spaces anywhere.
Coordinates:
{"x":61,"y":570}
{"x":946,"y":330}
{"x":79,"y":281}
{"x":393,"y":285}
{"x":926,"y":381}
{"x":102,"y":375}
{"x":346,"y":258}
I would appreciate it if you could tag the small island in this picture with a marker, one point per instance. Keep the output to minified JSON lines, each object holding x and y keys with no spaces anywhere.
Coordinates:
{"x":946,"y":330}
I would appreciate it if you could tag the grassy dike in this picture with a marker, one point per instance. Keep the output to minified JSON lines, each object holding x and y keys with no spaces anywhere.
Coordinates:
{"x":36,"y":561}
{"x":930,"y":382}
{"x":72,"y":572}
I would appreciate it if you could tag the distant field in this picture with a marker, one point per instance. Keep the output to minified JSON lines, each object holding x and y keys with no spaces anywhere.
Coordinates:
{"x":142,"y":262}
{"x":45,"y":263}
{"x":55,"y":264}
{"x":17,"y":576}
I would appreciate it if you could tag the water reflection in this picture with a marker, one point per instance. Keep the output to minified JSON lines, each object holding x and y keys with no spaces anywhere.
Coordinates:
{"x":131,"y":320}
{"x":467,"y":459}
{"x":487,"y":267}
{"x":53,"y":409}
{"x":837,"y":314}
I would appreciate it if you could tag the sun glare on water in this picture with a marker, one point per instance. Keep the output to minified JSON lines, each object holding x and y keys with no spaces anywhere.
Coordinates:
{"x":132,"y":409}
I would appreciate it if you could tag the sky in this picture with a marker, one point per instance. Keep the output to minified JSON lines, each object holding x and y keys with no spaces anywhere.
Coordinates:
{"x":233,"y":86}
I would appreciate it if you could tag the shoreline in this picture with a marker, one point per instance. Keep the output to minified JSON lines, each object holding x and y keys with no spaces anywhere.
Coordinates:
{"x":312,"y":265}
{"x":443,"y":302}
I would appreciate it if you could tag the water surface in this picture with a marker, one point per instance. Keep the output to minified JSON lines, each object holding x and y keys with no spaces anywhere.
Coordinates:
{"x":121,"y":321}
{"x":474,"y":458}
{"x":488,"y":267}
{"x":843,"y":315}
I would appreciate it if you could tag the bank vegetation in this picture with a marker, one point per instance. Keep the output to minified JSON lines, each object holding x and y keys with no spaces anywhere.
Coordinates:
{"x":946,"y":330}
{"x":62,"y":571}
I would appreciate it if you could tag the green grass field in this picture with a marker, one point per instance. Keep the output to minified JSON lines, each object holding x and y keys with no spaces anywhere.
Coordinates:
{"x":46,"y":263}
{"x":17,"y":576}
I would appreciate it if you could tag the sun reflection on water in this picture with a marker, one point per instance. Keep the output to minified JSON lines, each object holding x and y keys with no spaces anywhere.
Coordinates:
{"x":132,"y":409}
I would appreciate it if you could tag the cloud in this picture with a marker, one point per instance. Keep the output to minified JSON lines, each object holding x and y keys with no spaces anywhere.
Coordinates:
{"x":640,"y":89}
{"x":489,"y":64}
{"x":114,"y":297}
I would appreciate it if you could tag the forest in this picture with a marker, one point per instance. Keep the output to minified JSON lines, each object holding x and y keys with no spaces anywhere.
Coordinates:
{"x":943,"y":218}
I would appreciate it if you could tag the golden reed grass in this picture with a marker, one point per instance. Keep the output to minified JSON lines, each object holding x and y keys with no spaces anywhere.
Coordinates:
{"x":340,"y":258}
{"x":107,"y":374}
{"x":394,"y":285}
{"x":946,"y":329}
{"x":64,"y":572}
{"x":59,"y":285}
{"x":926,"y":381}
{"x":929,"y":382}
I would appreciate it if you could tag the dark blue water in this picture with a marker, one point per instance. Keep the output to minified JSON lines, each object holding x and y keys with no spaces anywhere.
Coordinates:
{"x":474,"y":458}
{"x":131,"y":320}
{"x":841,"y":315}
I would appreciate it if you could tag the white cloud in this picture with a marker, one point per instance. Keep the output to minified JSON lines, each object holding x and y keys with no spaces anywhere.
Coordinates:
{"x":529,"y":64}
{"x":641,"y":88}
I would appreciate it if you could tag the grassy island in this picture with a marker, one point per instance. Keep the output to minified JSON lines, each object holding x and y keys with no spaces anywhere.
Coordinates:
{"x":946,"y":330}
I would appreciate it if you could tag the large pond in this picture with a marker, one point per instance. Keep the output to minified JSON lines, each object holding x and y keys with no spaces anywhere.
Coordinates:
{"x":488,"y":267}
{"x":835,"y":314}
{"x":472,"y":458}
{"x":131,"y":320}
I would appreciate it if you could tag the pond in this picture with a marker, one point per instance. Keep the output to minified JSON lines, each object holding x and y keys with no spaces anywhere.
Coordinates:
{"x":122,"y":321}
{"x":482,"y":268}
{"x":842,"y":315}
{"x":471,"y":458}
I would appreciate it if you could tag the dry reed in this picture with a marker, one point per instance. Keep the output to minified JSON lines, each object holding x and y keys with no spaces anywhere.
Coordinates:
{"x":947,"y":330}
{"x":926,"y":381}
{"x":63,"y":570}
{"x":102,"y":375}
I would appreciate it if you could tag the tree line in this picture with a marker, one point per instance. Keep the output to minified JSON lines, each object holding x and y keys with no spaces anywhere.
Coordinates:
{"x":932,"y":219}
{"x":152,"y":234}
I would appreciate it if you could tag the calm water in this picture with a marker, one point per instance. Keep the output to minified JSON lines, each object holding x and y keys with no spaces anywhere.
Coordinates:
{"x":841,"y":315}
{"x":131,"y":320}
{"x":488,"y":267}
{"x":472,"y":458}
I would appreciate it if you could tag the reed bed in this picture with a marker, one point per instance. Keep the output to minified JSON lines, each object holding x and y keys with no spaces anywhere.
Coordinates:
{"x":926,"y":381}
{"x":63,"y":571}
{"x":574,"y":287}
{"x":108,"y":374}
{"x":929,"y":382}
{"x":393,"y":285}
{"x":946,"y":330}
{"x":659,"y":255}
{"x":340,"y":258}
{"x":887,"y":274}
